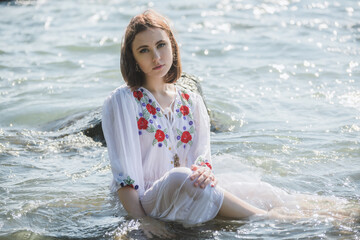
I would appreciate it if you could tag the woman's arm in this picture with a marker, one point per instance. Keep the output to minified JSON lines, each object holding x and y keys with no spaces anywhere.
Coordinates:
{"x":129,"y":198}
{"x":120,"y":128}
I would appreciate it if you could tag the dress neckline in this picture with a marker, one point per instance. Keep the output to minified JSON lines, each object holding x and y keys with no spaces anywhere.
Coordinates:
{"x":171,"y":106}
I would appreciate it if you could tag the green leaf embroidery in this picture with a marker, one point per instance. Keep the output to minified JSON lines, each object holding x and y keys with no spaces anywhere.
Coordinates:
{"x":192,"y":130}
{"x":128,"y":181}
{"x":154,"y":142}
{"x":151,"y":129}
{"x":199,"y":160}
{"x":179,"y":132}
{"x":146,"y":114}
{"x":142,"y":99}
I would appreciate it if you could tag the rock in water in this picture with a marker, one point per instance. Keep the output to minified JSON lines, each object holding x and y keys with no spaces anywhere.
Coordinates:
{"x":89,"y":123}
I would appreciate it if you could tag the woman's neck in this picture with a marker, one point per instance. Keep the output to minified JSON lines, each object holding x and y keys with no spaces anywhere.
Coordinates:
{"x":164,"y":93}
{"x":158,"y":86}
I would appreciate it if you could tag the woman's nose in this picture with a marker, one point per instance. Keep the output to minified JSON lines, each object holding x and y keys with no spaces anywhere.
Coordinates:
{"x":156,"y":55}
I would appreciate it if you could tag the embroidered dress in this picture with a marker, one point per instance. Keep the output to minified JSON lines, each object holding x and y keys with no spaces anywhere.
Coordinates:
{"x":152,"y":149}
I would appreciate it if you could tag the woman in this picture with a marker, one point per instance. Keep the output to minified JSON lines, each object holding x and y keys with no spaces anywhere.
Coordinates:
{"x":158,"y":136}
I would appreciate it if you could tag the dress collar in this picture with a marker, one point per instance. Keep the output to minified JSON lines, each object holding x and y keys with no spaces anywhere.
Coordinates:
{"x":151,"y":96}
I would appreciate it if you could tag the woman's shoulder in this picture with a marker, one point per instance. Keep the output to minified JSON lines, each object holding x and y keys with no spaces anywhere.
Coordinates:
{"x":121,"y":91}
{"x":191,"y":97}
{"x":122,"y":94}
{"x":187,"y":92}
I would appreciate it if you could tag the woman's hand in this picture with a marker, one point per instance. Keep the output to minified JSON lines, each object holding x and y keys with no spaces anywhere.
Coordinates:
{"x":204,"y":176}
{"x":154,"y":228}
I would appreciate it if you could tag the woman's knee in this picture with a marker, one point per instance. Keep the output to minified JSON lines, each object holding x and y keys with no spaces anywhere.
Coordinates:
{"x":177,"y":176}
{"x":179,"y":182}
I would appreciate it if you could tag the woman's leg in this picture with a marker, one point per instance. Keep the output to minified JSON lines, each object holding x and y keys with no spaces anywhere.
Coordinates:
{"x":235,"y":208}
{"x":175,"y":198}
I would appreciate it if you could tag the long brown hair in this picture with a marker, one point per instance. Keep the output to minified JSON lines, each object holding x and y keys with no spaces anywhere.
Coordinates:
{"x":149,"y":19}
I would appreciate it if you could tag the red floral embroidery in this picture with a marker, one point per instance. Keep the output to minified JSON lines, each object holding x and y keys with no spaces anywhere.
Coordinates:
{"x":138,"y":95}
{"x":159,"y":135}
{"x":186,"y":137}
{"x":207,"y":164}
{"x":142,"y":123}
{"x":184,"y":110}
{"x":185,"y":95}
{"x":151,"y":109}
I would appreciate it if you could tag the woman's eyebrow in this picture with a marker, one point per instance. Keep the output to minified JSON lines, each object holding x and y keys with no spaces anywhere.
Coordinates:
{"x":142,"y":46}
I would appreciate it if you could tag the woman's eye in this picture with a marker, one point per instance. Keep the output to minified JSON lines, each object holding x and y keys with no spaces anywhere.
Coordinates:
{"x":161,"y":45}
{"x":144,"y":50}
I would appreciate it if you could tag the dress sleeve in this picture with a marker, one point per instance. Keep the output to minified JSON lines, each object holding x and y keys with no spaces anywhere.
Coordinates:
{"x":122,"y":139}
{"x":200,"y":152}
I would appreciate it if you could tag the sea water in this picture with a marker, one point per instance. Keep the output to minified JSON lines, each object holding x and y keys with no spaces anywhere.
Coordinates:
{"x":281,"y":78}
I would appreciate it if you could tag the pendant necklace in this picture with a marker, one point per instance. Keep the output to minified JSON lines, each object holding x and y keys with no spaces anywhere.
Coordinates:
{"x":176,"y":160}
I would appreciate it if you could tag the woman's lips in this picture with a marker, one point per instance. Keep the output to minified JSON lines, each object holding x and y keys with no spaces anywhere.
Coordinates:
{"x":158,"y":67}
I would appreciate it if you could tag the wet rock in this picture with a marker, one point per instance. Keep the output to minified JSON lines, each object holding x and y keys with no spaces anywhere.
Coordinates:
{"x":89,"y":123}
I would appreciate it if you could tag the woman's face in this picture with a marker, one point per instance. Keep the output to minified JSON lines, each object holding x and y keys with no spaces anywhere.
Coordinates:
{"x":153,"y":52}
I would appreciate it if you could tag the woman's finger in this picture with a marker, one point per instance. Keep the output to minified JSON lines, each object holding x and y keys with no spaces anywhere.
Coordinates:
{"x":194,"y":167}
{"x":165,"y":234}
{"x":158,"y":233}
{"x":214,"y":183}
{"x":206,"y":182}
{"x":169,"y":235}
{"x":205,"y":175}
{"x":201,"y":177}
{"x":197,"y":173}
{"x":147,"y":233}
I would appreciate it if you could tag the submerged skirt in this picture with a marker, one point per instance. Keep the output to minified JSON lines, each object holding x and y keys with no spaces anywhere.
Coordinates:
{"x":174,"y":197}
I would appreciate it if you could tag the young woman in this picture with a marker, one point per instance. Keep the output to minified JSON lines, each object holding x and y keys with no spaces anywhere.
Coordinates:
{"x":158,"y":136}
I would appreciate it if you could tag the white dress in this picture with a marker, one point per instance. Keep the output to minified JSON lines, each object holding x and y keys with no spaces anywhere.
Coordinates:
{"x":143,"y":140}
